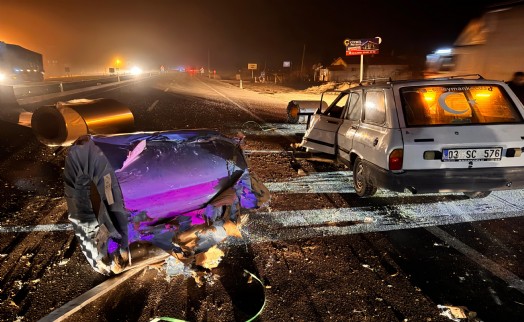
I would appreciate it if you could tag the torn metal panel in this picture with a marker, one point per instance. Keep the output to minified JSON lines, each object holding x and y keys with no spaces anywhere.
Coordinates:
{"x":181,"y":191}
{"x":63,"y":123}
{"x":301,"y":111}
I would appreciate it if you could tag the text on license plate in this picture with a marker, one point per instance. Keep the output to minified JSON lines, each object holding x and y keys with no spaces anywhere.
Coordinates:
{"x":478,"y":154}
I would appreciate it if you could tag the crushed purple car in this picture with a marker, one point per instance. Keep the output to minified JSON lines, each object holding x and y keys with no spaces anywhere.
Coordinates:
{"x":180,"y":191}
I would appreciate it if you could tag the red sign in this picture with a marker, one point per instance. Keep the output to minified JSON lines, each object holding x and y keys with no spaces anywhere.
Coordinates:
{"x":353,"y":52}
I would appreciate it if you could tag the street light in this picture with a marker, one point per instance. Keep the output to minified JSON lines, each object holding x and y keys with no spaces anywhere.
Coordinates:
{"x":117,"y":65}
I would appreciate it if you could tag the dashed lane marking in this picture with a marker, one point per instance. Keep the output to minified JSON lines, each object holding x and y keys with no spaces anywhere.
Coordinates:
{"x":150,"y":108}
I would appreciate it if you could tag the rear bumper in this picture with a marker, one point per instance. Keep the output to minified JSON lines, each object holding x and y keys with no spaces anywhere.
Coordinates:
{"x":448,"y":180}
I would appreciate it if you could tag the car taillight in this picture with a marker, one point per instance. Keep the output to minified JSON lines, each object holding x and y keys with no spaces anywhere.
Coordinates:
{"x":395,"y":159}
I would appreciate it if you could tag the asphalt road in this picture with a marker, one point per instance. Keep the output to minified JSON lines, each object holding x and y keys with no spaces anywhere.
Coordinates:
{"x":321,"y":252}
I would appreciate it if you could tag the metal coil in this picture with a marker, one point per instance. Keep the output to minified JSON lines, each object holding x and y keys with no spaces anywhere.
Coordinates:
{"x":63,"y":123}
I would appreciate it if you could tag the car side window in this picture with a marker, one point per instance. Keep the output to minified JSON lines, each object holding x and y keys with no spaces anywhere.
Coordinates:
{"x":337,"y":107}
{"x":355,"y":107}
{"x":375,"y":107}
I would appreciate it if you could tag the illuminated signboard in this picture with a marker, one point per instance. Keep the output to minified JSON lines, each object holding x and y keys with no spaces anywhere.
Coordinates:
{"x":367,"y":46}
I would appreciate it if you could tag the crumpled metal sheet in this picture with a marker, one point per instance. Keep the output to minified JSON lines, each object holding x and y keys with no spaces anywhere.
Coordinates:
{"x":181,"y":191}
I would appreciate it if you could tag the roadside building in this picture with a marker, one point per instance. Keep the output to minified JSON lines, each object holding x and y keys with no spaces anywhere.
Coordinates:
{"x":347,"y":69}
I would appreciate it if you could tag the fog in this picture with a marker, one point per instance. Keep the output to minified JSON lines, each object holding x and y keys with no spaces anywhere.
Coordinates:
{"x":90,"y":36}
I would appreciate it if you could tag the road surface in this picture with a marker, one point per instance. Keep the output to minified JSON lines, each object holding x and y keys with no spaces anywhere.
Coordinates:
{"x":321,"y":252}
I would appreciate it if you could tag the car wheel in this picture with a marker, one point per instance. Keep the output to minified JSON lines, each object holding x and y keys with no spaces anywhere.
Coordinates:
{"x":363,"y":186}
{"x":477,"y":194}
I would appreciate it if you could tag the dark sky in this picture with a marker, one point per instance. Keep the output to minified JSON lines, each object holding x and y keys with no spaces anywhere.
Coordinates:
{"x":232,"y":33}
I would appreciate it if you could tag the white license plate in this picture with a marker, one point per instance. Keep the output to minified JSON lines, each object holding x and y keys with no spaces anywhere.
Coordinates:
{"x":477,"y":154}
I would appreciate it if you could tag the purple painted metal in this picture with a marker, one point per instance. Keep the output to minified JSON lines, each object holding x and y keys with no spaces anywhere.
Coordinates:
{"x":176,"y":190}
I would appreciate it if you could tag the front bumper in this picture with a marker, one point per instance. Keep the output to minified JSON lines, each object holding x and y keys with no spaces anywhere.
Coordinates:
{"x":448,"y":180}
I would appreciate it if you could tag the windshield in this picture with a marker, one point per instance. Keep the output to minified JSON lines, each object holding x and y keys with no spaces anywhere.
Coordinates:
{"x":457,"y":104}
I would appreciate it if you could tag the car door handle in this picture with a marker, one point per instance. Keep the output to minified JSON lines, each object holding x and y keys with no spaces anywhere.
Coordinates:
{"x":332,"y":122}
{"x":375,"y":142}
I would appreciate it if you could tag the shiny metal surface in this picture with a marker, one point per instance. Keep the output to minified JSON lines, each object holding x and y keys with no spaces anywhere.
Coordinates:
{"x":63,"y":123}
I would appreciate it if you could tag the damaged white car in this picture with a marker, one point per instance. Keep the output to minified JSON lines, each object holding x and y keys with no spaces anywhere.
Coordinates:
{"x":427,"y":136}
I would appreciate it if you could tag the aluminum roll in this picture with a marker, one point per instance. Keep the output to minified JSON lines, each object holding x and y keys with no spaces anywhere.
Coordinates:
{"x":63,"y":123}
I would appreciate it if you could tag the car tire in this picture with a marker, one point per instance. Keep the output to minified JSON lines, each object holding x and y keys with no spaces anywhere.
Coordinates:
{"x":477,"y":194}
{"x":363,"y":186}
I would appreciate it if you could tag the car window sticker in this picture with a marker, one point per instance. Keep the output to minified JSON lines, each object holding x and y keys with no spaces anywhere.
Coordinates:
{"x":442,"y":103}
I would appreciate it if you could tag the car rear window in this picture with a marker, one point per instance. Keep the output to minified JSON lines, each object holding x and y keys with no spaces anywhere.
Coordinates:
{"x":457,"y":104}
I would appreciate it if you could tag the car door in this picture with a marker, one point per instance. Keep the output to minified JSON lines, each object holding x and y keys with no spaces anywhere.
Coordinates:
{"x":321,"y":135}
{"x":350,"y":125}
{"x":371,"y":140}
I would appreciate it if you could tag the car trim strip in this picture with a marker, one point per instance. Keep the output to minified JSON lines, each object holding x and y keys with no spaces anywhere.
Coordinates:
{"x":331,"y":145}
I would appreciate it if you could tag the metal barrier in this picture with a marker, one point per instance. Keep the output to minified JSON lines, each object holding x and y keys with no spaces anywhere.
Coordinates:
{"x":38,"y":89}
{"x":63,"y":123}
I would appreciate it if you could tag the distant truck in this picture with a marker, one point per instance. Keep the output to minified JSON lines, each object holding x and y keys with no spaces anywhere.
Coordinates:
{"x":18,"y":64}
{"x":492,"y":46}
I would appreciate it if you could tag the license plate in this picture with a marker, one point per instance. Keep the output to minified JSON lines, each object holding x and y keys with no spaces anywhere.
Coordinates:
{"x":477,"y":154}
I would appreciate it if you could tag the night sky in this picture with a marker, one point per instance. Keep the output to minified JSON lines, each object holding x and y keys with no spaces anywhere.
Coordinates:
{"x":230,"y":33}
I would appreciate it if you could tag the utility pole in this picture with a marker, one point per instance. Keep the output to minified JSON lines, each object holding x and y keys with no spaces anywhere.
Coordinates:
{"x":208,"y":63}
{"x":302,"y":65}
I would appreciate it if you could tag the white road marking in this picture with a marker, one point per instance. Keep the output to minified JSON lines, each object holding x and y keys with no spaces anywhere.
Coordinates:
{"x":272,"y":129}
{"x":30,"y":229}
{"x":265,"y":151}
{"x":67,"y":310}
{"x":258,"y":118}
{"x":511,"y":279}
{"x":150,"y":108}
{"x":405,"y":215}
{"x":317,"y":182}
{"x":311,"y":223}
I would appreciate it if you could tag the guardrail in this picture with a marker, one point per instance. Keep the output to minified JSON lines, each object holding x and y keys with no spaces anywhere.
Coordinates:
{"x":30,"y":90}
{"x":14,"y":97}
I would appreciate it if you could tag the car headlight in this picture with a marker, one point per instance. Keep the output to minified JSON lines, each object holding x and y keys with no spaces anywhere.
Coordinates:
{"x":136,"y":70}
{"x":2,"y":77}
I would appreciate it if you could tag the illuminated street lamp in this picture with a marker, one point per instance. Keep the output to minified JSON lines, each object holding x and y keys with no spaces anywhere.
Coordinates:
{"x":117,"y":65}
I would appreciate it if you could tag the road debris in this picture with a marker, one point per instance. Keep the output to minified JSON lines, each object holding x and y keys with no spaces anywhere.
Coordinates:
{"x":61,"y":124}
{"x":458,"y":313}
{"x":181,"y":191}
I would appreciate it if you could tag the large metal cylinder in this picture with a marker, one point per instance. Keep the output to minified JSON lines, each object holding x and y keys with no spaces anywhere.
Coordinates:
{"x":63,"y":123}
{"x":301,"y":111}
